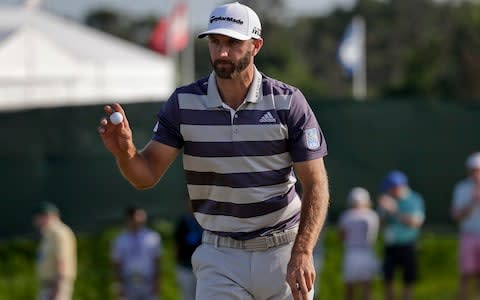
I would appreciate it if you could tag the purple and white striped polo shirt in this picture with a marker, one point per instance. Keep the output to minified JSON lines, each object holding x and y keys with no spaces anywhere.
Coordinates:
{"x":239,"y":166}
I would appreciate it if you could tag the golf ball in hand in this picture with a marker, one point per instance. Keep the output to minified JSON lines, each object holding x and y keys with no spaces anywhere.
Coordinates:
{"x":116,"y":118}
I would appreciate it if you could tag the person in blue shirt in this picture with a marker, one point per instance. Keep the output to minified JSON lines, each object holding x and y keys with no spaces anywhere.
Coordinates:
{"x":188,"y":236}
{"x":402,"y":213}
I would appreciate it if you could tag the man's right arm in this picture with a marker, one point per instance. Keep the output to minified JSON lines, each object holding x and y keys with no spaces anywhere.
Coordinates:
{"x":146,"y":167}
{"x":458,"y":214}
{"x":459,"y":211}
{"x":143,"y":169}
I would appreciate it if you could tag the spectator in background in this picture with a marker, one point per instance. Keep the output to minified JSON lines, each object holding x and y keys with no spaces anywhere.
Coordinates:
{"x":466,"y":210}
{"x":358,"y":230}
{"x":402,"y":213}
{"x":188,"y":236}
{"x":136,"y":258}
{"x":57,"y":254}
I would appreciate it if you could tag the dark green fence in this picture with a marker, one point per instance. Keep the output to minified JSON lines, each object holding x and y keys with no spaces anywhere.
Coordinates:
{"x":56,"y":155}
{"x":429,"y":141}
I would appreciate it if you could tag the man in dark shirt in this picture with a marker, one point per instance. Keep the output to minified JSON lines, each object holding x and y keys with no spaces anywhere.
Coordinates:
{"x":188,"y":236}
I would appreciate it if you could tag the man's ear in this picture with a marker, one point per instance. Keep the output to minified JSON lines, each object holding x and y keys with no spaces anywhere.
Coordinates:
{"x":257,"y":45}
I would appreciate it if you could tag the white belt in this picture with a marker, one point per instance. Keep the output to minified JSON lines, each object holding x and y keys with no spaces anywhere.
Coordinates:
{"x":260,"y":243}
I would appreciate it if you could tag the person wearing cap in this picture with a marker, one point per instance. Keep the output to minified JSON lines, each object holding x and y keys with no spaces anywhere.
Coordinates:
{"x":466,"y":211}
{"x":246,"y":138}
{"x":136,"y":254}
{"x":57,"y":254}
{"x":358,"y":227}
{"x":402,"y":213}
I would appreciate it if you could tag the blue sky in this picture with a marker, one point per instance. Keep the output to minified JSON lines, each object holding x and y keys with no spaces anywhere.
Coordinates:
{"x":77,"y":9}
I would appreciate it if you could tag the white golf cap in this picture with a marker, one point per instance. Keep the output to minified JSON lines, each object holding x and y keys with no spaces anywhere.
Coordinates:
{"x":234,"y":20}
{"x":358,"y":196}
{"x":473,"y":161}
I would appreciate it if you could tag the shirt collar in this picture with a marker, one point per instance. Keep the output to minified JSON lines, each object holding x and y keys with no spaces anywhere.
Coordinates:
{"x":253,"y":95}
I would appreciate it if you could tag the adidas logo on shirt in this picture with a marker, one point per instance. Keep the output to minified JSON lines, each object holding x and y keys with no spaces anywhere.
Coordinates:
{"x":267,"y":118}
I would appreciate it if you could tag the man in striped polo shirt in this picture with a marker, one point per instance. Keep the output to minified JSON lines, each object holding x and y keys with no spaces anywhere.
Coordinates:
{"x":245,"y":139}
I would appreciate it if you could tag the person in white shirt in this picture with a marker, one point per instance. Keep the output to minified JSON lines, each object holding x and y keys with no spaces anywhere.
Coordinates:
{"x":358,"y":229}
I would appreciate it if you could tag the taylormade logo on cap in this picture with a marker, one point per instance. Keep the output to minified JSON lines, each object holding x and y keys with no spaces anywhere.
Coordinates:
{"x":228,"y":19}
{"x":234,"y":20}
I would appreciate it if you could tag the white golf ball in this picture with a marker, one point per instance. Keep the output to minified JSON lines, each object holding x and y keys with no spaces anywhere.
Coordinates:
{"x":116,"y":118}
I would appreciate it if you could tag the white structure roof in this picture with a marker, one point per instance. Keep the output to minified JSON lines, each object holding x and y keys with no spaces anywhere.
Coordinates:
{"x":49,"y":61}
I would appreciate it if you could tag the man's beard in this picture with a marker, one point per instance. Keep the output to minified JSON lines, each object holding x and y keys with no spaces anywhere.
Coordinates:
{"x":228,"y":70}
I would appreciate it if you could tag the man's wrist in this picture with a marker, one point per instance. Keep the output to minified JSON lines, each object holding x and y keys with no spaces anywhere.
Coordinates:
{"x":127,"y":155}
{"x":300,"y":250}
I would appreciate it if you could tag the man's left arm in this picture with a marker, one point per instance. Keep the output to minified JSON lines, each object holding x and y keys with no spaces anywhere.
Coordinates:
{"x":411,"y":220}
{"x":415,"y":218}
{"x":62,"y":255}
{"x":315,"y":199}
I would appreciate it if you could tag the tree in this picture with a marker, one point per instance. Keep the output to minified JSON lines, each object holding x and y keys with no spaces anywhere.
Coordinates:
{"x":415,"y":48}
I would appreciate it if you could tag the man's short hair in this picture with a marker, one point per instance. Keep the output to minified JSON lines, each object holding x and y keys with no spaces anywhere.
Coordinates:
{"x":130,"y":210}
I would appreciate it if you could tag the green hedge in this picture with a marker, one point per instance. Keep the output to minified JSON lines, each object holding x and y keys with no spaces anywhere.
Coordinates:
{"x":438,"y":268}
{"x":17,"y":270}
{"x":438,"y":275}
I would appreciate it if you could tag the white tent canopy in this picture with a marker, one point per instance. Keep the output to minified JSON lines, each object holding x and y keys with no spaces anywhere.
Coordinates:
{"x":48,"y":61}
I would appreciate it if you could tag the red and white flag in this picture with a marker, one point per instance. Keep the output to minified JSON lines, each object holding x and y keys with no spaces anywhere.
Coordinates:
{"x":171,"y":33}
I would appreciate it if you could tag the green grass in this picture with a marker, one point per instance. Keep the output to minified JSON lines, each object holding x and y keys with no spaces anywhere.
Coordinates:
{"x":438,"y":275}
{"x":438,"y":270}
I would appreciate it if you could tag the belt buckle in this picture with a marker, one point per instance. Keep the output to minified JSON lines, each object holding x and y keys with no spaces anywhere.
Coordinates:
{"x":270,"y":241}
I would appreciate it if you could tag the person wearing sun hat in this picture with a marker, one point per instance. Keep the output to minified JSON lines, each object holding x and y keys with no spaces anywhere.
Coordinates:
{"x":358,"y":227}
{"x":402,"y":213}
{"x":466,"y":211}
{"x":57,"y":254}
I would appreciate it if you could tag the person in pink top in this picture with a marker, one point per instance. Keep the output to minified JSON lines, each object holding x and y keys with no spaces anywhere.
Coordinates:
{"x":466,"y":211}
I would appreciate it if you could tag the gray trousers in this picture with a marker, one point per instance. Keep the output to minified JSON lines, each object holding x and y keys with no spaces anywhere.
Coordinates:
{"x":236,"y":274}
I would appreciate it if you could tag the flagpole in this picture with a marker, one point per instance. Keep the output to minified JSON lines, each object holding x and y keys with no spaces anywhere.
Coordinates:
{"x":359,"y":80}
{"x":173,"y":55}
{"x":188,"y":55}
{"x":183,"y":59}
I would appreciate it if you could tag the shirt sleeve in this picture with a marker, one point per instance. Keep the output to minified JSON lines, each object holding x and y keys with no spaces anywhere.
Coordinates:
{"x":167,"y":128}
{"x":62,"y":245}
{"x":460,"y":198}
{"x":374,"y":222}
{"x":116,"y":250}
{"x":420,"y":209}
{"x":306,"y":140}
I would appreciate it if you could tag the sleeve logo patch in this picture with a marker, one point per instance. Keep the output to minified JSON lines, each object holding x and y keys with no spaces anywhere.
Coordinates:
{"x":155,"y":128}
{"x":312,"y":138}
